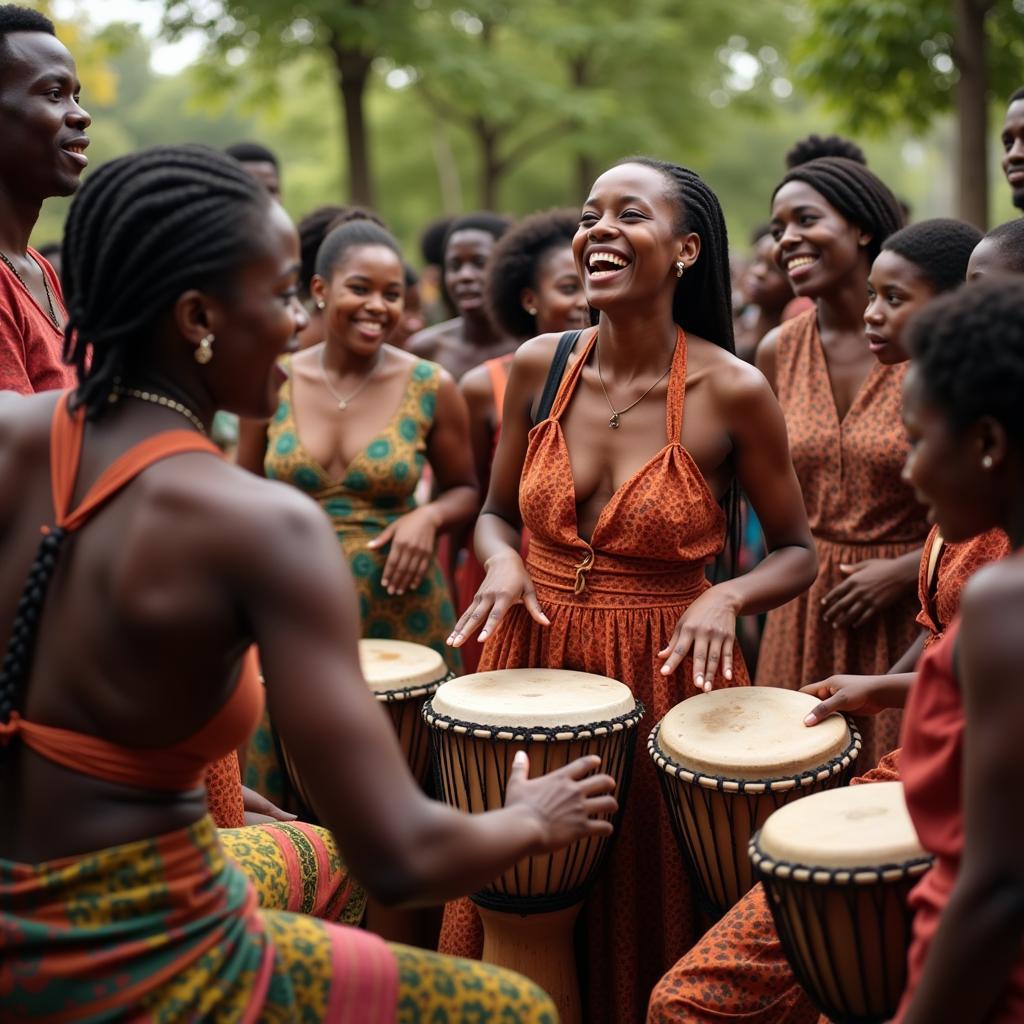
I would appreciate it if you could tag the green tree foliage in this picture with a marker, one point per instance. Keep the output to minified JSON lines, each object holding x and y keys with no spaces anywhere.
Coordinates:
{"x":882,"y":63}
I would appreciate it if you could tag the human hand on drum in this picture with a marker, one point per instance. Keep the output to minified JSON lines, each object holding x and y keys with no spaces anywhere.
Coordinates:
{"x":507,"y":583}
{"x":870,"y":586}
{"x":564,"y":802}
{"x":260,"y":811}
{"x":862,"y":695}
{"x":708,"y":628}
{"x":412,"y":538}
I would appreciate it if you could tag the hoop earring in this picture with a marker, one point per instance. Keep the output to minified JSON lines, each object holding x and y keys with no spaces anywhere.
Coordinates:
{"x":204,"y":353}
{"x":680,"y":267}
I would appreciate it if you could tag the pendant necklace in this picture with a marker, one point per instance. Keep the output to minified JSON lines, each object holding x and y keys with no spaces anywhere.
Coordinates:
{"x":613,"y":421}
{"x":344,"y":402}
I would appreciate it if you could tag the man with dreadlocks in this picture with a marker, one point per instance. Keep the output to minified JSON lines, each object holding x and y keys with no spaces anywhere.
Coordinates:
{"x":43,"y":154}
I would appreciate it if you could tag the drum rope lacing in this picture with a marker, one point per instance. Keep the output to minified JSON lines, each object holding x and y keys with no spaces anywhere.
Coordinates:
{"x":465,"y":766}
{"x":411,"y":692}
{"x":868,"y":874}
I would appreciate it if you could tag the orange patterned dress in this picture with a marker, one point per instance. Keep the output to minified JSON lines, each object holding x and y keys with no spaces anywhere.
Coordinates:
{"x":613,"y":604}
{"x":738,"y":971}
{"x":858,"y":507}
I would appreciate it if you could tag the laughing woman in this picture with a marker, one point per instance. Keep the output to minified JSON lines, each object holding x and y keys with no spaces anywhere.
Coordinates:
{"x":622,"y":492}
{"x":829,"y":219}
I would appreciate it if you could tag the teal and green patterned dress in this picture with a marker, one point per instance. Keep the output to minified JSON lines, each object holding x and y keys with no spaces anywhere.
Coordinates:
{"x":377,"y":488}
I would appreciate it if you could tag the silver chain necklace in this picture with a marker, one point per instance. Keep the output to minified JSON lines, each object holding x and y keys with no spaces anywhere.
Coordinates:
{"x":344,"y":402}
{"x":46,"y":287}
{"x":613,"y":422}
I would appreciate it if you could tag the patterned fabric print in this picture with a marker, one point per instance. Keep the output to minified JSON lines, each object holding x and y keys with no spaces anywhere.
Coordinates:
{"x":956,"y":565}
{"x":224,"y":792}
{"x":651,"y":544}
{"x":858,"y":508}
{"x":295,"y":866}
{"x":738,"y":971}
{"x":167,"y":929}
{"x":434,"y":989}
{"x":378,"y":487}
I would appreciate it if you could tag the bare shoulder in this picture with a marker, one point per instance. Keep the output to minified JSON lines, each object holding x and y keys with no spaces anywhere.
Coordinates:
{"x":992,"y":643}
{"x":996,"y":591}
{"x":429,"y":341}
{"x":734,"y":382}
{"x":475,"y":384}
{"x":24,"y":434}
{"x":533,"y":359}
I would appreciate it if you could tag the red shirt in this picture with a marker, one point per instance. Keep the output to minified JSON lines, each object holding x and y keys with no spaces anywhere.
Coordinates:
{"x":30,"y":345}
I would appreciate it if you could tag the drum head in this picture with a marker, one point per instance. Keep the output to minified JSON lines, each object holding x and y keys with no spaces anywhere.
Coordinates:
{"x":859,"y":826}
{"x":751,"y":733}
{"x":533,"y":697}
{"x":399,"y":665}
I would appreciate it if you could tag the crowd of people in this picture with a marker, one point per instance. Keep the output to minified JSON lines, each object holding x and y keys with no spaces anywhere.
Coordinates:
{"x":586,"y":439}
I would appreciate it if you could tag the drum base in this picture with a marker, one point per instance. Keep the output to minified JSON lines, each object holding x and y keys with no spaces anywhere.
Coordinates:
{"x":539,"y":946}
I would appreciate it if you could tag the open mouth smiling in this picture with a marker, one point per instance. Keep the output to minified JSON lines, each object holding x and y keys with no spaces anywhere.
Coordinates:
{"x":603,"y":263}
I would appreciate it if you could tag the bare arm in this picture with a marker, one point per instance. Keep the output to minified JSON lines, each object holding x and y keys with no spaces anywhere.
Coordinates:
{"x":298,"y":595}
{"x":413,"y":536}
{"x":499,"y":527}
{"x":765,"y":356}
{"x":252,"y":445}
{"x":979,"y":936}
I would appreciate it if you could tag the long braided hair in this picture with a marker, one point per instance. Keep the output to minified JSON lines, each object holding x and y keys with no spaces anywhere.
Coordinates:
{"x":702,"y":304}
{"x":143,"y":229}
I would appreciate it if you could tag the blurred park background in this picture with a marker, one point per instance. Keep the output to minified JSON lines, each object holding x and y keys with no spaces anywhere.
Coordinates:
{"x":427,"y":107}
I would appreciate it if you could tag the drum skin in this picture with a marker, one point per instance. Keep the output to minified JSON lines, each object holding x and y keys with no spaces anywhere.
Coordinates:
{"x":843,"y":921}
{"x":715,"y":812}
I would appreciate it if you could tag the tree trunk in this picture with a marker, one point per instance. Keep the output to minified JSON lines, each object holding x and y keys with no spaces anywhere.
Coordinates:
{"x":970,"y":52}
{"x":491,"y":166}
{"x":352,"y":71}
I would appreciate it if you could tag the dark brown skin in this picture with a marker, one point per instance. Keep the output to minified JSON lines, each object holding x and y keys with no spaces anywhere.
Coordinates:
{"x":1012,"y":139}
{"x":732,"y":426}
{"x":804,"y":224}
{"x":471,"y":337}
{"x":158,"y":597}
{"x":766,"y":286}
{"x":266,"y":174}
{"x":979,"y":937}
{"x":39,"y":117}
{"x":364,"y":305}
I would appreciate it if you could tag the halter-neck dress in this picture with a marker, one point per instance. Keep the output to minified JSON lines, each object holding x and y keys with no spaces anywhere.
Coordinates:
{"x":613,"y":604}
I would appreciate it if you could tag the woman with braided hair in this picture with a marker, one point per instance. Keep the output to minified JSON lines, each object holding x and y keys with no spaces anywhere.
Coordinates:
{"x":628,"y":501}
{"x":829,"y":219}
{"x":159,"y":565}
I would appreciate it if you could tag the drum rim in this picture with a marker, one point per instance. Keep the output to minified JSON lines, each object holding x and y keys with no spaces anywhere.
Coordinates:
{"x":755,"y":787}
{"x":777,"y":869}
{"x":537,"y":733}
{"x":412,"y":692}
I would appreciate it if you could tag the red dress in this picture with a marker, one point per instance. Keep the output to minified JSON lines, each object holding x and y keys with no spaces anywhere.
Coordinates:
{"x":30,"y":345}
{"x":932,"y":768}
{"x":613,"y":604}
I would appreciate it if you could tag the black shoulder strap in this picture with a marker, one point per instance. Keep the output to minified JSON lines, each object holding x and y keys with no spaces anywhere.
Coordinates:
{"x":566,"y":343}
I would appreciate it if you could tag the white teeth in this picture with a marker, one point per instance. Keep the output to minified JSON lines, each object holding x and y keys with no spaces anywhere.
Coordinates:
{"x":800,"y":261}
{"x":606,"y":257}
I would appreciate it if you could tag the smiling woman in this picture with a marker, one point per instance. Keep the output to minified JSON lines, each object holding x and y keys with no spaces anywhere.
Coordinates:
{"x":829,"y":220}
{"x":621,"y":483}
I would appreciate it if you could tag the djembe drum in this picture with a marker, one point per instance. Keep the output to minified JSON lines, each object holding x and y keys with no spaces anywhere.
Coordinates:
{"x":479,"y":722}
{"x":837,"y":869}
{"x":731,"y":757}
{"x":401,"y":676}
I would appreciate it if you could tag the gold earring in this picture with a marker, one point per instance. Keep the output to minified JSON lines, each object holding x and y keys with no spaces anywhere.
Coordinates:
{"x":204,"y":353}
{"x":986,"y":462}
{"x":680,"y":267}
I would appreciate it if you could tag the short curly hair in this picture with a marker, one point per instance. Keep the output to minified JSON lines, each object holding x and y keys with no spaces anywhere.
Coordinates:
{"x":968,"y":348}
{"x":515,"y":261}
{"x":14,"y":18}
{"x":939,"y":248}
{"x":815,"y":146}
